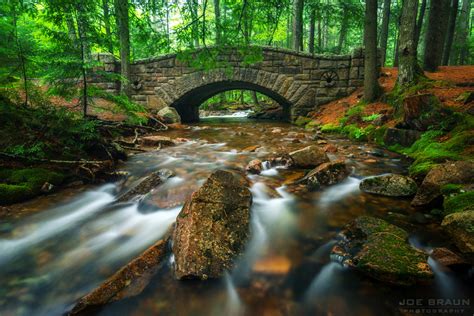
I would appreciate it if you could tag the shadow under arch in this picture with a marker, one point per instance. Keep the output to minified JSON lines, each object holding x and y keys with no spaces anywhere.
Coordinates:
{"x":188,"y":104}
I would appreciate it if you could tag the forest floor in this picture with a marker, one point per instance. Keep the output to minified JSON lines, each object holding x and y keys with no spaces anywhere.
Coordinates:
{"x":451,"y":82}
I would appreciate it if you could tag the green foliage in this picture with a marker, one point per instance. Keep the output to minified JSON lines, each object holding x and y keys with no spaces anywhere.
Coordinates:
{"x":357,"y":109}
{"x":459,"y":202}
{"x":302,"y":121}
{"x":370,"y":118}
{"x":451,"y":188}
{"x":331,"y":128}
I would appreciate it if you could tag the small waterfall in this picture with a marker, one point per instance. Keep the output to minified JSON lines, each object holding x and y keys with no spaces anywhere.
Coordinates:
{"x":323,"y":282}
{"x":339,"y":191}
{"x":234,"y":306}
{"x":444,"y":280}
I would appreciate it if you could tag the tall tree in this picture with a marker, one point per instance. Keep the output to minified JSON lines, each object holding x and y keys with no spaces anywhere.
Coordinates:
{"x":419,"y":22}
{"x":371,"y":72}
{"x":108,"y":32}
{"x":384,"y":30}
{"x":408,"y":69}
{"x":450,"y":33}
{"x":298,"y":25}
{"x":121,"y":15}
{"x":217,"y":18}
{"x":193,"y":9}
{"x":461,"y":45}
{"x":312,"y":27}
{"x":344,"y":26}
{"x":435,"y":34}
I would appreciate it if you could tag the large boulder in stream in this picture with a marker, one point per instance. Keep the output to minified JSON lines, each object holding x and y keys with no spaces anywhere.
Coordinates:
{"x":308,"y":157}
{"x":389,"y":185}
{"x":460,"y":226}
{"x":453,"y":172}
{"x":381,"y":251}
{"x":213,"y":227}
{"x":328,"y":173}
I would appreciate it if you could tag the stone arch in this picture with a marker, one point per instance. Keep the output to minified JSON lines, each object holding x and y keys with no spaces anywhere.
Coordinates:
{"x":189,"y":91}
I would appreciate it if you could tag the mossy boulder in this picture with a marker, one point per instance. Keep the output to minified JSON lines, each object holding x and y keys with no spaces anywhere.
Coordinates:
{"x":302,"y":121}
{"x":213,"y":227}
{"x":328,"y":173}
{"x":460,"y":226}
{"x":308,"y":157}
{"x":170,"y":115}
{"x":453,"y":172}
{"x":381,"y":251}
{"x":459,"y":202}
{"x":18,"y":185}
{"x":389,"y":185}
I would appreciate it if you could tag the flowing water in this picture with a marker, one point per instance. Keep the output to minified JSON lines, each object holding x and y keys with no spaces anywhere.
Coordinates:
{"x":54,"y":256}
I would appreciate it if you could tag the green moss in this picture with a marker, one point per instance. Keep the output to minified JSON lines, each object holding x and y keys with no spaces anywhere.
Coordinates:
{"x":357,"y":109}
{"x":354,"y":132}
{"x":12,"y":193}
{"x":379,"y":135}
{"x":459,"y":202}
{"x":331,"y":128}
{"x":311,"y":125}
{"x":370,"y":118}
{"x":451,"y":188}
{"x":302,"y":121}
{"x":21,"y":184}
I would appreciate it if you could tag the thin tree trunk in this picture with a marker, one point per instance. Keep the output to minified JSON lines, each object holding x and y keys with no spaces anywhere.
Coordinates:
{"x":254,"y":98}
{"x":461,"y":46}
{"x":298,"y":25}
{"x":395,"y":49}
{"x":371,"y":71}
{"x":384,"y":31}
{"x":320,"y":37}
{"x":217,"y":15}
{"x":121,"y":14}
{"x":343,"y":31}
{"x":312,"y":26}
{"x":419,"y":22}
{"x":193,"y":8}
{"x":450,"y":34}
{"x":435,"y":34}
{"x":83,"y":67}
{"x":21,"y":56}
{"x":408,"y":70}
{"x":108,"y":33}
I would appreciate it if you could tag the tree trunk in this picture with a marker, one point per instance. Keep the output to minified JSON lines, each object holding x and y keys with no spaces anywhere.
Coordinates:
{"x":320,"y":37}
{"x":384,"y":31}
{"x":435,"y":34}
{"x":343,"y":31}
{"x":255,"y":98}
{"x":371,"y":71}
{"x":450,"y":34}
{"x":461,"y":45}
{"x":395,"y":51}
{"x":419,"y":22}
{"x":121,"y":15}
{"x":312,"y":26}
{"x":408,"y":71}
{"x":193,"y":9}
{"x":298,"y":25}
{"x":108,"y":33}
{"x":217,"y":15}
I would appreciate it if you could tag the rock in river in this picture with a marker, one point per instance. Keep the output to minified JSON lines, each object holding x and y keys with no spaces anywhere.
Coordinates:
{"x":255,"y":166}
{"x":380,"y":250}
{"x":453,"y":172}
{"x":170,"y":115}
{"x":389,"y":185}
{"x":213,"y":227}
{"x":328,"y":173}
{"x":460,"y":226}
{"x":309,"y":157}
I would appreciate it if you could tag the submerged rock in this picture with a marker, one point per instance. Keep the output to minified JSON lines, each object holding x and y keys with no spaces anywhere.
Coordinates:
{"x":309,"y":157}
{"x":213,"y":227}
{"x":454,"y":172}
{"x":255,"y":166}
{"x":328,"y":173}
{"x":146,"y":185}
{"x":446,"y":257}
{"x":170,"y":115}
{"x":389,"y":185}
{"x":460,"y":226}
{"x":129,"y":281}
{"x":381,"y":251}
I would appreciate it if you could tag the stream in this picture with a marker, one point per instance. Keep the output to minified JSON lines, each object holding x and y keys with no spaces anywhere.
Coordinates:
{"x":69,"y":245}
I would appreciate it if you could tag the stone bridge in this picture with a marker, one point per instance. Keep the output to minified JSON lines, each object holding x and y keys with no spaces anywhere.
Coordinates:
{"x":299,"y":82}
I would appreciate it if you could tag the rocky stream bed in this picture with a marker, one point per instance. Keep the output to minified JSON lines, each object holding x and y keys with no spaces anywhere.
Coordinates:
{"x":282,"y":221}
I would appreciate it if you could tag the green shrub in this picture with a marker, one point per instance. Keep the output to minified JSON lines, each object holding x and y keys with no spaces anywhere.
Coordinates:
{"x":331,"y":128}
{"x":370,"y":118}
